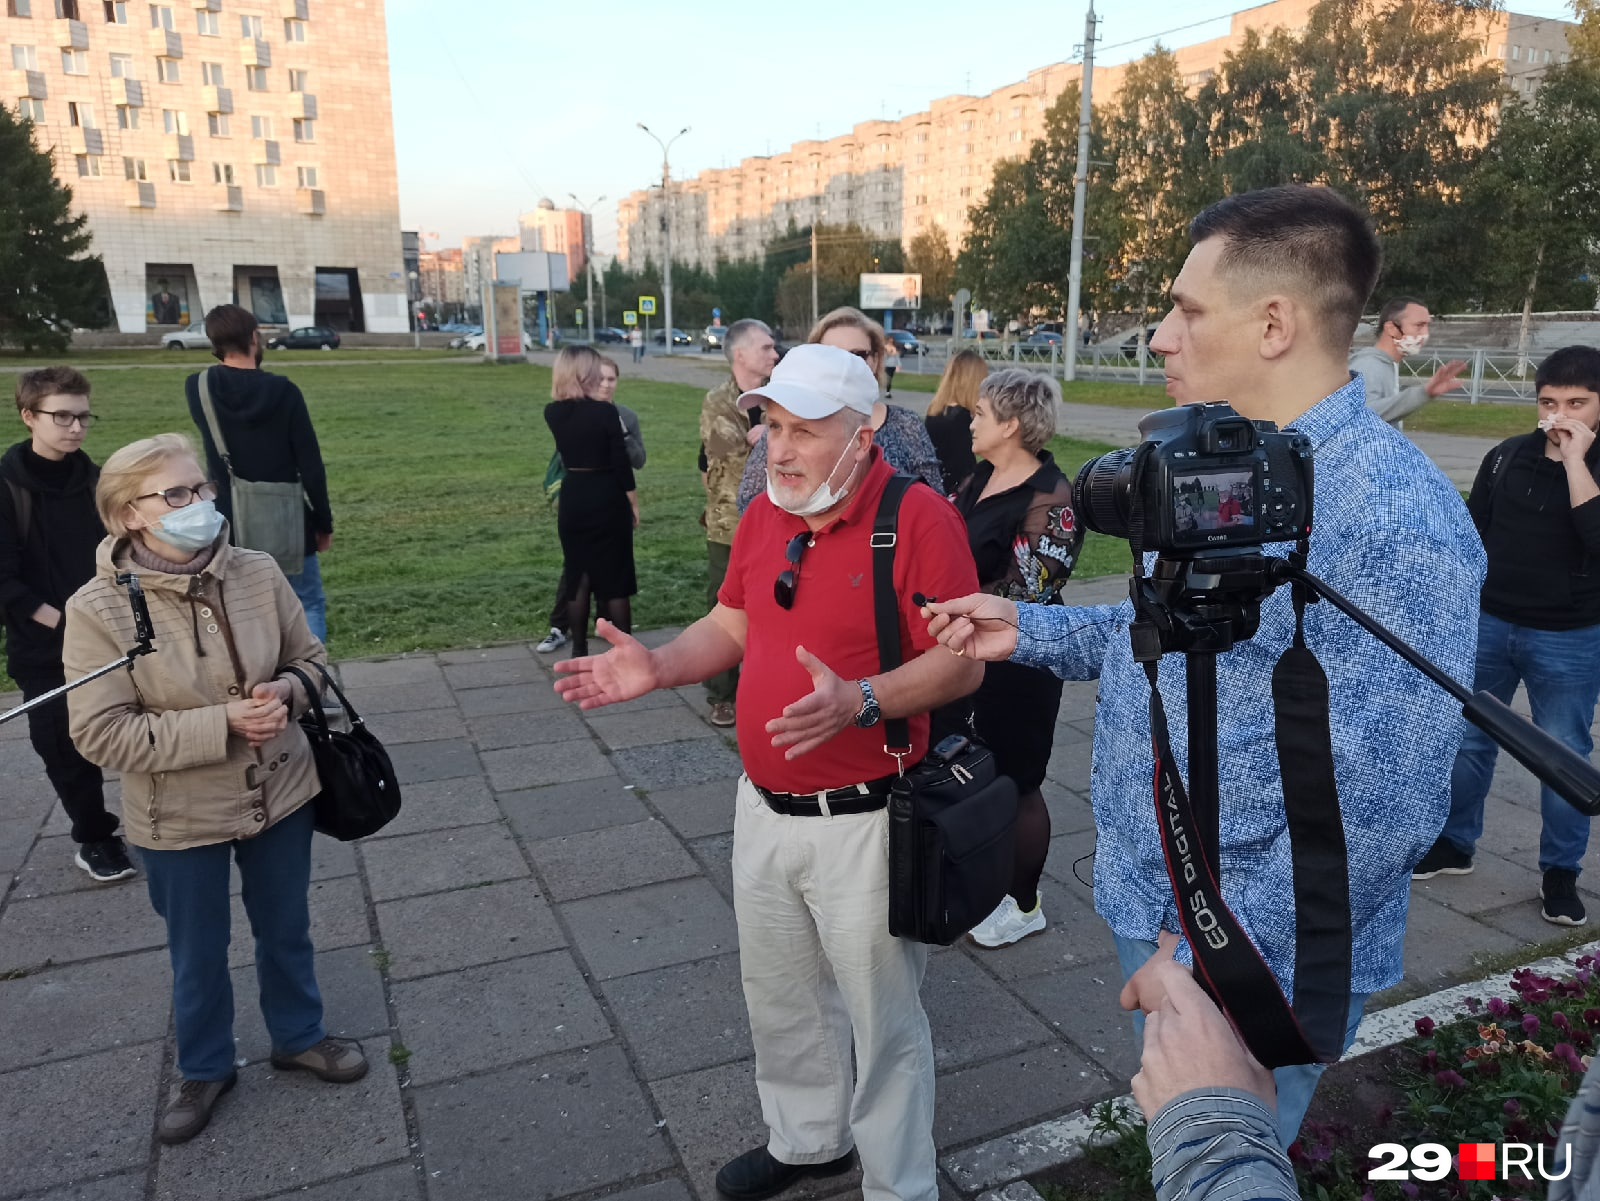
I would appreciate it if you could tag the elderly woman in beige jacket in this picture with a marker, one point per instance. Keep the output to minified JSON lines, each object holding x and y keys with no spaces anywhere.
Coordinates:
{"x":213,"y":767}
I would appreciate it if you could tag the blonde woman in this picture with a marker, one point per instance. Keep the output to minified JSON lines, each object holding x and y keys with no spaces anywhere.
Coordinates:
{"x":599,"y":507}
{"x":949,"y":419}
{"x":897,"y":431}
{"x":213,"y":767}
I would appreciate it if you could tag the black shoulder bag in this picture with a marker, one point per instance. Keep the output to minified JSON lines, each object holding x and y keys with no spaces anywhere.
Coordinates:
{"x":952,"y":818}
{"x":360,"y":794}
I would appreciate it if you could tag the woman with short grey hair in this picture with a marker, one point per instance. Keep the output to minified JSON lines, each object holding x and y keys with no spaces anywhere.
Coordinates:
{"x":1025,"y":540}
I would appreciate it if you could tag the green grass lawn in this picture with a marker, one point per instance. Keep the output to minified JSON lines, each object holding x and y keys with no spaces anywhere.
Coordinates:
{"x":442,"y":536}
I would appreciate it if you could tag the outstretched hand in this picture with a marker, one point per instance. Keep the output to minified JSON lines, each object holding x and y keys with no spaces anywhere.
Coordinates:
{"x":625,"y":671}
{"x":1445,"y":378}
{"x":816,"y":717}
{"x":1188,"y":1043}
{"x":980,"y":625}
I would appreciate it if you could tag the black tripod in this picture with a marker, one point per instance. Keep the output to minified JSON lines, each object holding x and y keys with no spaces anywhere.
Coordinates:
{"x":142,"y":632}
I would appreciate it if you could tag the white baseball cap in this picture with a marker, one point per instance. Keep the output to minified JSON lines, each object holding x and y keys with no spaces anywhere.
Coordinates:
{"x":814,"y":381}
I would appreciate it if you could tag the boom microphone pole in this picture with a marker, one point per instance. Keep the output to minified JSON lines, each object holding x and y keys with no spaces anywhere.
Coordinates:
{"x":144,"y":635}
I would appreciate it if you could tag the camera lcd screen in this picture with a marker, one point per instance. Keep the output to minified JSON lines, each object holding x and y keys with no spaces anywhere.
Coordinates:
{"x":1217,"y":500}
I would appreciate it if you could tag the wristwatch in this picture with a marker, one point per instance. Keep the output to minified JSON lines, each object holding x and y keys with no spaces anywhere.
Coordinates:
{"x":870,"y":713}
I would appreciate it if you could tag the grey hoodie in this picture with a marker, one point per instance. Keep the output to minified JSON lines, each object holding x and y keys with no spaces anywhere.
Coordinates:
{"x":1385,"y":396}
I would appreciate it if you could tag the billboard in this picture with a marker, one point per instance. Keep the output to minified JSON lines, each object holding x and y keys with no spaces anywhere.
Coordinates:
{"x":890,"y":292}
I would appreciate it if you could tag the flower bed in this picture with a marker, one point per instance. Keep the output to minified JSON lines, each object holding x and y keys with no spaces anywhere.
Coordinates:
{"x":1504,"y":1071}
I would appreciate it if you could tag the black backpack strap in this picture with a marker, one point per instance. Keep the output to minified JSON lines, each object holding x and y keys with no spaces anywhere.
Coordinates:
{"x":885,"y":609}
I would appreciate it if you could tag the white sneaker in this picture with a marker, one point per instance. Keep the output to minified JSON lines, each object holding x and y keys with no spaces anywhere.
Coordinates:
{"x":554,"y":640}
{"x":1008,"y":924}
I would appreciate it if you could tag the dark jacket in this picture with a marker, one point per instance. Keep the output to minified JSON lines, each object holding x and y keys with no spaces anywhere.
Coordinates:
{"x":1544,"y":555}
{"x":57,"y":556}
{"x":268,"y":431}
{"x":951,"y":434}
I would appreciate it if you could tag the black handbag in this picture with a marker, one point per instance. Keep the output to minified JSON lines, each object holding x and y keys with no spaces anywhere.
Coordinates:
{"x":360,"y":794}
{"x":952,"y":818}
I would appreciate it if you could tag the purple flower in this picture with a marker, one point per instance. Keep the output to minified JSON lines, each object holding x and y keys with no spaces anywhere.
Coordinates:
{"x":1499,"y":1008}
{"x":1512,"y":1108}
{"x":1449,"y":1079}
{"x":1425,"y":1026}
{"x":1530,"y":1025}
{"x":1559,"y":1020}
{"x":1410,"y":1189}
{"x":1592,"y":1016}
{"x":1472,"y":1004}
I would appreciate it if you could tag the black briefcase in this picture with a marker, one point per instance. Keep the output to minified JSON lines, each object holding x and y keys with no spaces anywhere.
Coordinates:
{"x":952,"y":824}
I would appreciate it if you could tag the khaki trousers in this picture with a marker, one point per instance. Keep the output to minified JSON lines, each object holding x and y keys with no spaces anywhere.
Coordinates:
{"x":819,"y":965}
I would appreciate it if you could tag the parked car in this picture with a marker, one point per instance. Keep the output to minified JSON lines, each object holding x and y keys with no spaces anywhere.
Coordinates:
{"x":711,"y":337}
{"x":983,"y":335}
{"x":610,"y":333}
{"x":906,"y":342}
{"x":1058,"y":328}
{"x":679,"y":338}
{"x":307,"y":337}
{"x":475,"y":341}
{"x":192,"y":337}
{"x":1043,"y":338}
{"x":467,"y":331}
{"x":1130,"y":344}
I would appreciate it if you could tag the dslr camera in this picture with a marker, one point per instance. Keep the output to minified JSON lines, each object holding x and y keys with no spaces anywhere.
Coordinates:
{"x":1203,"y":478}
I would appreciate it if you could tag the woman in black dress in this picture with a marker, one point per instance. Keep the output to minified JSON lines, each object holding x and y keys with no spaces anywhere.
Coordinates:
{"x":949,"y":418}
{"x":1025,"y":541}
{"x":598,"y":508}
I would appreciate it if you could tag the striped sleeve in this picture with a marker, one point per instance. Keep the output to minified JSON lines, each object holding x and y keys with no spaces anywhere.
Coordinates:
{"x":1219,"y":1145}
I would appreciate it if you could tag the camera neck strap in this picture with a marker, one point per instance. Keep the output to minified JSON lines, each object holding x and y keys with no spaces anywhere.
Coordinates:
{"x":1227,"y":963}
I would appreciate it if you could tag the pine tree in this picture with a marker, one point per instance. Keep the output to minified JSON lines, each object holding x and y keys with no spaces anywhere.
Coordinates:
{"x":47,"y":281}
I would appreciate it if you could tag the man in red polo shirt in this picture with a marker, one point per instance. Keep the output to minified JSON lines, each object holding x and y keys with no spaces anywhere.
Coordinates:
{"x":810,"y":861}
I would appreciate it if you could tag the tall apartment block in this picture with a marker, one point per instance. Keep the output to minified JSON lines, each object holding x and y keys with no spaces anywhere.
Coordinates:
{"x":896,"y":178}
{"x":223,"y":150}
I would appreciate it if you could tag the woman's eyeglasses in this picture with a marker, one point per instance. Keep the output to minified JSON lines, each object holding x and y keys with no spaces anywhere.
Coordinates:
{"x":864,"y":355}
{"x":66,"y":419}
{"x":789,"y":579}
{"x":180,"y":495}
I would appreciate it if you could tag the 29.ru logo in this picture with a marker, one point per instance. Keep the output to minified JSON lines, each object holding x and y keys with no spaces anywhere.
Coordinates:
{"x":1477,"y":1161}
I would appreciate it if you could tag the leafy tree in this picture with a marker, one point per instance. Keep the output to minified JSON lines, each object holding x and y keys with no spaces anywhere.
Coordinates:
{"x":47,"y":281}
{"x":1585,"y":39}
{"x":1154,"y":136}
{"x":1537,"y":200}
{"x":929,"y":256}
{"x":1017,"y":255}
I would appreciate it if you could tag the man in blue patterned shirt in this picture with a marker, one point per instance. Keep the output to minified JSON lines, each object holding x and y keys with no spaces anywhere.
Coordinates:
{"x":1263,"y":312}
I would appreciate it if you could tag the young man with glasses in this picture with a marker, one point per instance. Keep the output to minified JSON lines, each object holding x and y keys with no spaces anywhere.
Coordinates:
{"x":48,"y":534}
{"x":810,"y":876}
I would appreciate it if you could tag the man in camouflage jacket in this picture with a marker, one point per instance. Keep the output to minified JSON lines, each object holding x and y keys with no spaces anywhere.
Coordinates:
{"x":725,"y":435}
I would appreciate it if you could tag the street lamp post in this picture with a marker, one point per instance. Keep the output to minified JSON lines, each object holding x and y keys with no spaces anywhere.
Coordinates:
{"x":666,"y":199}
{"x":416,"y":322}
{"x":588,"y":257}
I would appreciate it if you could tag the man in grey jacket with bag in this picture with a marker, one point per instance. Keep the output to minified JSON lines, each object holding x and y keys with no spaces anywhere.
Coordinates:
{"x":266,"y":437}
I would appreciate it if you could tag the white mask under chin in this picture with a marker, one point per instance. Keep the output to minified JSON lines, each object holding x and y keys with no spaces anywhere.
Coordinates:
{"x":820,"y":501}
{"x":1411,"y":343}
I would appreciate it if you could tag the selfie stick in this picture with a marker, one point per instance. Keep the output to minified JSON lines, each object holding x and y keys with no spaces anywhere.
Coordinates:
{"x":1570,"y":774}
{"x":143,"y":632}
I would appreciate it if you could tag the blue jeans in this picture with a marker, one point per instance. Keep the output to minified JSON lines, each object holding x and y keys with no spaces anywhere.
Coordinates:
{"x":1295,"y":1083}
{"x":1562,"y":671}
{"x":189,"y":889}
{"x":308,"y":587}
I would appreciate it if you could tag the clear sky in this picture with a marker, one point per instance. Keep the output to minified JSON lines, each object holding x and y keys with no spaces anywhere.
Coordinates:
{"x":507,"y":105}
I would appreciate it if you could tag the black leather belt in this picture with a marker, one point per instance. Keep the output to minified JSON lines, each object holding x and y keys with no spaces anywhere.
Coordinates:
{"x":859,"y":798}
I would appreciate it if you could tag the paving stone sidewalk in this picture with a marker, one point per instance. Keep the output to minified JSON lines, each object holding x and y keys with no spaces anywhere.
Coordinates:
{"x":541,"y":960}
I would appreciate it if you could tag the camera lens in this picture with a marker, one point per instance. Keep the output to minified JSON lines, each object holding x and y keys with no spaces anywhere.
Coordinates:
{"x":1104,"y":493}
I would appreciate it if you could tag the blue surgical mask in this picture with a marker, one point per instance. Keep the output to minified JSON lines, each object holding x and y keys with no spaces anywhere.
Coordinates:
{"x":193,"y":527}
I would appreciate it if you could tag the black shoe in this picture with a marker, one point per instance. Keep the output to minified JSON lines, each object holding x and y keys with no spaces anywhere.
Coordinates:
{"x":1559,"y":895}
{"x":1444,"y":858}
{"x":105,"y":861}
{"x":755,"y":1174}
